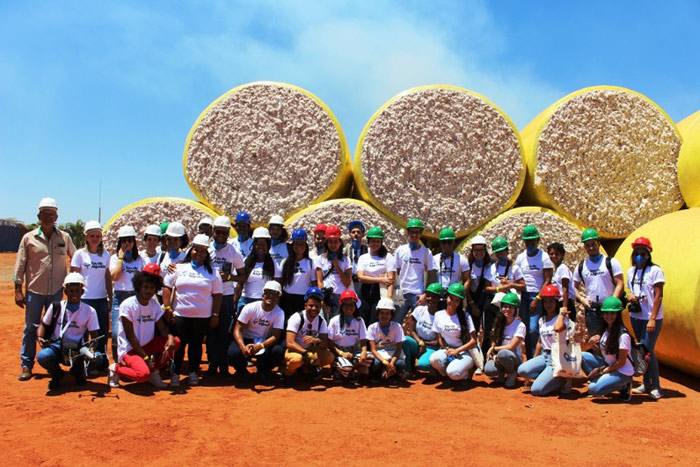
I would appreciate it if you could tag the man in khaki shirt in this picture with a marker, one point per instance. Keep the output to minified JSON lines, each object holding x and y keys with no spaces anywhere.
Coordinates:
{"x":41,"y":268}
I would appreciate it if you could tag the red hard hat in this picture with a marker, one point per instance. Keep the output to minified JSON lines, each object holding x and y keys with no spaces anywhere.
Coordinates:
{"x":152,"y":268}
{"x":332,"y":231}
{"x":550,"y":291}
{"x":320,"y":228}
{"x":642,"y":241}
{"x":347,"y":293}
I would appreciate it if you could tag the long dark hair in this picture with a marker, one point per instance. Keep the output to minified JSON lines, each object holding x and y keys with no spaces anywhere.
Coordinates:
{"x":134,"y":250}
{"x":207,"y":260}
{"x":381,"y":251}
{"x":487,"y":258}
{"x":326,"y":251}
{"x":268,"y":264}
{"x":612,"y":345}
{"x":289,"y":267}
{"x":140,"y":277}
{"x":649,"y":262}
{"x":284,"y":236}
{"x":462,"y":317}
{"x":499,"y":326}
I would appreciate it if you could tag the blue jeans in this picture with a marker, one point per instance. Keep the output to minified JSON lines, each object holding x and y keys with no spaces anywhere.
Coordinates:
{"x":457,"y":369}
{"x":541,"y":370}
{"x":50,"y":358}
{"x":32,"y":315}
{"x":508,"y":362}
{"x":409,"y":303}
{"x":531,"y":321}
{"x":411,"y":349}
{"x":220,"y":337}
{"x":103,"y":317}
{"x":119,"y":297}
{"x":651,"y":377}
{"x":607,"y":383}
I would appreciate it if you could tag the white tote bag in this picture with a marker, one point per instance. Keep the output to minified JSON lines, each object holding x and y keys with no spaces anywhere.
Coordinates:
{"x":566,"y":356}
{"x":478,"y":357}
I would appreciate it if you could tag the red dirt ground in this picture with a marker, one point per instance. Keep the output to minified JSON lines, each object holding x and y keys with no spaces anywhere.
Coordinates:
{"x":218,"y":423}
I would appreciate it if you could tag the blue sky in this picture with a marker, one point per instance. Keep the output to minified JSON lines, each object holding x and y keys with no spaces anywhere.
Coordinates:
{"x":109,"y":90}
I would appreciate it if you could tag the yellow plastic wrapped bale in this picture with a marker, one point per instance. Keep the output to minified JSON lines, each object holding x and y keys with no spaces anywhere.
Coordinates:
{"x":604,"y":157}
{"x":441,"y":153}
{"x":340,"y":212}
{"x":676,"y":244}
{"x":689,"y":160}
{"x":266,"y":148}
{"x":156,"y":211}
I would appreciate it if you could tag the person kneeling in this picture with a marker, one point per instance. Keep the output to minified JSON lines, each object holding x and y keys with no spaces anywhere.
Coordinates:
{"x":140,"y":352}
{"x":307,"y":337}
{"x":505,"y":354}
{"x":348,"y":340}
{"x":62,"y":328}
{"x":385,"y":341}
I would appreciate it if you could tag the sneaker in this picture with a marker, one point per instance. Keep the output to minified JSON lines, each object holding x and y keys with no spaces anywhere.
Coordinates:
{"x":511,"y":380}
{"x":26,"y":374}
{"x":174,"y":380}
{"x":479,"y":372}
{"x":626,"y":393}
{"x":566,"y":389}
{"x":56,"y":381}
{"x":656,"y":394}
{"x":242,"y":377}
{"x":193,"y":378}
{"x":501,"y":379}
{"x":156,"y":380}
{"x":266,"y":377}
{"x":113,"y":378}
{"x":639,"y":389}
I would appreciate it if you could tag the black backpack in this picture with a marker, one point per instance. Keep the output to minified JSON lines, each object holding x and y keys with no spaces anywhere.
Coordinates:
{"x":608,"y":265}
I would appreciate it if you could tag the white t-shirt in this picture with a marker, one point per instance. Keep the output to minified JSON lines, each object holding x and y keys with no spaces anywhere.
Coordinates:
{"x":92,"y":267}
{"x":563,"y":272}
{"x":244,"y":248}
{"x":547,"y":334}
{"x":310,"y":328}
{"x":253,"y":287}
{"x":279,"y":252}
{"x":386,"y":343}
{"x":142,"y":317}
{"x":194,"y":290}
{"x":350,"y":334}
{"x":128,"y":270}
{"x":496,"y":272}
{"x":260,"y":323}
{"x":332,"y":279}
{"x":149,"y":259}
{"x":652,"y":275}
{"x":227,"y":254}
{"x":533,"y":269}
{"x":450,"y":269}
{"x":304,"y":274}
{"x":450,"y":329}
{"x":376,"y":266}
{"x":424,"y":323}
{"x":596,"y":278}
{"x":625,"y":343}
{"x":475,"y":274}
{"x":71,"y":325}
{"x":511,"y":331}
{"x":411,"y":266}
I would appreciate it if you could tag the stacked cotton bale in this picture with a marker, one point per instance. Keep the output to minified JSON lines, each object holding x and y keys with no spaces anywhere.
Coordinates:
{"x":689,"y":160}
{"x":266,"y":148}
{"x":603,"y":157}
{"x":676,"y":242}
{"x":156,"y":211}
{"x":340,"y":212}
{"x":441,"y":153}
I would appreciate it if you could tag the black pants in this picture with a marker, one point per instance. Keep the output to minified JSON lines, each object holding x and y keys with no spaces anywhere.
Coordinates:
{"x":370,"y":297}
{"x":191,"y":332}
{"x":290,"y":304}
{"x":489,"y":317}
{"x":269,"y":359}
{"x":220,"y":337}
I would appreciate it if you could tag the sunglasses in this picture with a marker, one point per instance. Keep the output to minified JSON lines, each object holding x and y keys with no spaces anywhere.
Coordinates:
{"x":220,"y":232}
{"x":271,"y":293}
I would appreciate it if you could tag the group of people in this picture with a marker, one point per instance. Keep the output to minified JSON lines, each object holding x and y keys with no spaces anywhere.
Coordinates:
{"x":271,"y":299}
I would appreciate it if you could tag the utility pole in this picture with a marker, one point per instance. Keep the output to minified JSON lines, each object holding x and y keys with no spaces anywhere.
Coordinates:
{"x":99,"y":204}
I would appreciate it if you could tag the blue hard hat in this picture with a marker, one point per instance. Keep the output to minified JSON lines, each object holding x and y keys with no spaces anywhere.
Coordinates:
{"x":242,"y":217}
{"x":299,"y":234}
{"x":356,"y":223}
{"x":313,"y":292}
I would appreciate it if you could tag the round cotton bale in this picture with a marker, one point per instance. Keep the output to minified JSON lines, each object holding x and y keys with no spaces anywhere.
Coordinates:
{"x":266,"y":148}
{"x":604,"y":157}
{"x":441,"y":153}
{"x":676,"y":243}
{"x":155,"y":211}
{"x":340,"y":212}
{"x":689,"y":160}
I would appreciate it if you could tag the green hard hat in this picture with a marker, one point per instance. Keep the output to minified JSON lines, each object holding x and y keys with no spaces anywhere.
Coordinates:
{"x":457,"y":290}
{"x":447,"y":234}
{"x":375,"y":232}
{"x":511,"y":299}
{"x":499,"y":244}
{"x":415,"y":223}
{"x":590,"y":234}
{"x":435,"y":288}
{"x":611,"y":304}
{"x":530,"y":232}
{"x":164,"y":227}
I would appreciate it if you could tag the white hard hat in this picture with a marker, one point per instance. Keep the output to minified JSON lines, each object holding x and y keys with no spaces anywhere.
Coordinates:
{"x":222,"y":221}
{"x":126,"y":231}
{"x":153,"y":229}
{"x":201,"y":240}
{"x":175,"y":229}
{"x":497,"y":298}
{"x":261,"y":232}
{"x":74,"y":278}
{"x":92,"y":225}
{"x":385,"y":304}
{"x":277,"y":220}
{"x":478,"y":240}
{"x":206,"y":221}
{"x":273,"y":286}
{"x":48,"y":203}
